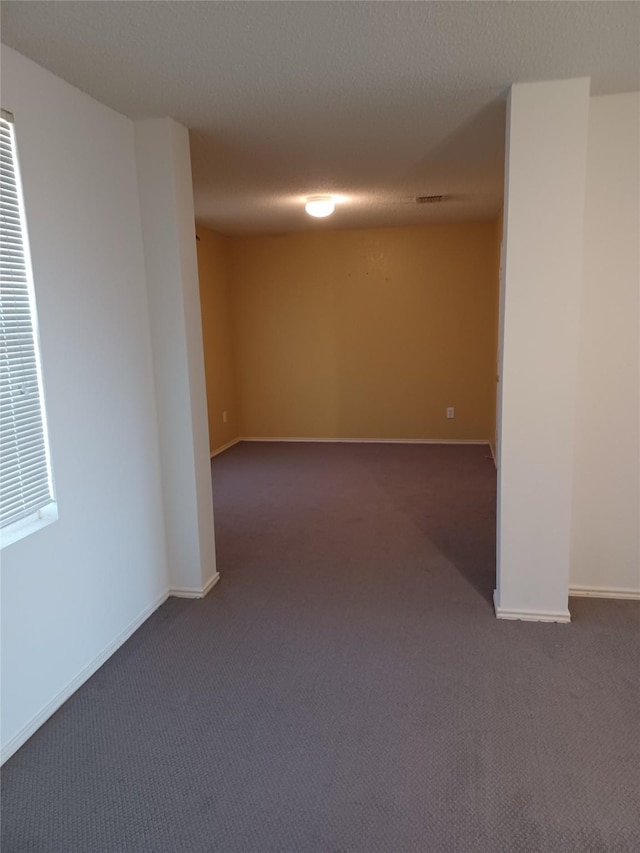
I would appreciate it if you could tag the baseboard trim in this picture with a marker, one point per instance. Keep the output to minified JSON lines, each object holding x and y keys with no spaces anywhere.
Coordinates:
{"x":367,"y":440}
{"x":189,"y":592}
{"x":60,"y":698}
{"x":562,"y":616}
{"x":224,"y":447}
{"x":621,"y":593}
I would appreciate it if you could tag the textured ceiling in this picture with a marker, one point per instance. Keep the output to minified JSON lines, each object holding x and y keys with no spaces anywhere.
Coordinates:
{"x":375,"y":101}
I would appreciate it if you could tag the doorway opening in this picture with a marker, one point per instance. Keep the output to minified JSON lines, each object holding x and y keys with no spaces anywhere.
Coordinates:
{"x":352,"y":374}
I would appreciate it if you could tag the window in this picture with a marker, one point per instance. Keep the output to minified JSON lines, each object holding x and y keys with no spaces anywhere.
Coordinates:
{"x":26,"y":488}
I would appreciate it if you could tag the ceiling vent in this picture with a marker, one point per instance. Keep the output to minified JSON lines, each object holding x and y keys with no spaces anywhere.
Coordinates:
{"x":430,"y":199}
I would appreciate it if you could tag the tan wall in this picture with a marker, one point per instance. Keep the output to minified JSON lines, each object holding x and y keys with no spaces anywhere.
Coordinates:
{"x":366,"y":334}
{"x":498,"y":228}
{"x":215,"y":297}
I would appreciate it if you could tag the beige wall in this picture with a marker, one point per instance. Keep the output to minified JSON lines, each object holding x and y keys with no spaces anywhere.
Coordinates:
{"x":215,"y":297}
{"x":498,"y":228}
{"x":362,"y":334}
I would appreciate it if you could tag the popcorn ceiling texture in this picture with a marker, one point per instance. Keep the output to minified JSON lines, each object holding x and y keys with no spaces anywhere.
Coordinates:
{"x":379,"y":102}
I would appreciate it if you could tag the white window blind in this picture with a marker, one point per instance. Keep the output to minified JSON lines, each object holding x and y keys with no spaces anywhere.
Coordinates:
{"x":25,"y":474}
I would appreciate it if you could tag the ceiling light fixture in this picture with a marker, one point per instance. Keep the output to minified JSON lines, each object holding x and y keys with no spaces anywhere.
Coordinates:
{"x":320,"y":206}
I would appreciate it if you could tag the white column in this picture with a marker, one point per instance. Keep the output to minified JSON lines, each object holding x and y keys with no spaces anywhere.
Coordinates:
{"x":545,"y":177}
{"x":168,"y":227}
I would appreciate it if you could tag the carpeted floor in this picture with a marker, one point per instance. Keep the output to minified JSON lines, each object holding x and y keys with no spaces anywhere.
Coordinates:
{"x":346,"y":687}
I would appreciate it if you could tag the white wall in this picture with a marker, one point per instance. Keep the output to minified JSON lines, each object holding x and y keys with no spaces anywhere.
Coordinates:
{"x":168,"y":227}
{"x":545,"y":172}
{"x":72,"y":590}
{"x":606,"y":488}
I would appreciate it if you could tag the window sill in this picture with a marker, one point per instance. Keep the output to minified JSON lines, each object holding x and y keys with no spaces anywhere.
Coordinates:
{"x":26,"y":526}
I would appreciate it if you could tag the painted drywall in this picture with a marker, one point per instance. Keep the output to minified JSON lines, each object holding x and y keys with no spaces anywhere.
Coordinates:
{"x":71,"y":591}
{"x":606,"y":487}
{"x":214,"y":272}
{"x":366,"y":334}
{"x":499,"y":225}
{"x":545,"y":178}
{"x":169,"y":239}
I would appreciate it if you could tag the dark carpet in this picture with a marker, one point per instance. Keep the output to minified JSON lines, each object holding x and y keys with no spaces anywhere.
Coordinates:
{"x":346,"y":687}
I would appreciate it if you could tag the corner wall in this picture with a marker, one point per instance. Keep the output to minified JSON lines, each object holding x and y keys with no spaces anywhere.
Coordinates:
{"x":214,"y":271}
{"x":169,"y":241}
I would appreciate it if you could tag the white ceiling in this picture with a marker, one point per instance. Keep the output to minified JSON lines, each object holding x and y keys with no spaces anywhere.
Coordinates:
{"x":375,"y":101}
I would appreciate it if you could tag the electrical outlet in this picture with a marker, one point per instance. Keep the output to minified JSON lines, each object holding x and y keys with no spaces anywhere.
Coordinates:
{"x":451,"y":412}
{"x":224,"y":417}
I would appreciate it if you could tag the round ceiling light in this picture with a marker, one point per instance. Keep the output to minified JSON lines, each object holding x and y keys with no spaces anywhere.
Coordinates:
{"x":320,"y":206}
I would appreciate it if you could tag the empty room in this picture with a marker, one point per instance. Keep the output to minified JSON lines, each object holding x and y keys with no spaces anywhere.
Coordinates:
{"x":331,"y":358}
{"x":320,"y":426}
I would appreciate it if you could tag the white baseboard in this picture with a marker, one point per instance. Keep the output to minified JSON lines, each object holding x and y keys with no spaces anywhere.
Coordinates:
{"x":224,"y":447}
{"x":369,"y":440}
{"x":187,"y":592}
{"x":605,"y":592}
{"x":531,"y":615}
{"x":60,"y":698}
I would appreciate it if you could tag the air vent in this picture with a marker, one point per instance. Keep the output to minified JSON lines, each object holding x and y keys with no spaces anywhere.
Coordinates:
{"x":430,"y":199}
